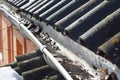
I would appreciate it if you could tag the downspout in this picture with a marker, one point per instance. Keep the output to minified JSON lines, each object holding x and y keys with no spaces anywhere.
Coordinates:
{"x":43,"y":48}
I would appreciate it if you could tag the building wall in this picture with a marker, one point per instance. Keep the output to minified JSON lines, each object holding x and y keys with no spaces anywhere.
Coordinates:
{"x":11,"y":42}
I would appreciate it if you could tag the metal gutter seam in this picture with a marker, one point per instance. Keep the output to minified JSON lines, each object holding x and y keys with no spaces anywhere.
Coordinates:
{"x":36,"y":42}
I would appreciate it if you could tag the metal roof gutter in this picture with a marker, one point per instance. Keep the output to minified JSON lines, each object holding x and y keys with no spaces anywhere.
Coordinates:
{"x":43,"y":49}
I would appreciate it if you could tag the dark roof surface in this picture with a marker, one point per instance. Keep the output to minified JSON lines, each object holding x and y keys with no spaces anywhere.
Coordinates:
{"x":32,"y":66}
{"x":89,"y":22}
